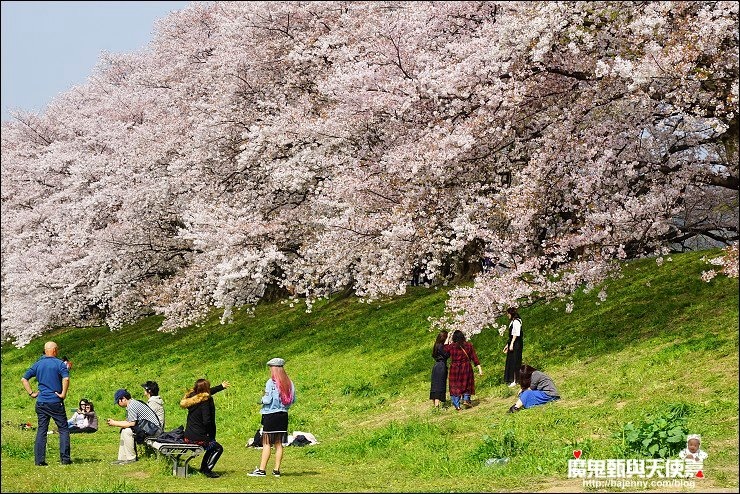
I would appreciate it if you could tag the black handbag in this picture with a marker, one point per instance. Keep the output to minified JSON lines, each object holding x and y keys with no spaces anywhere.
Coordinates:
{"x":144,"y":429}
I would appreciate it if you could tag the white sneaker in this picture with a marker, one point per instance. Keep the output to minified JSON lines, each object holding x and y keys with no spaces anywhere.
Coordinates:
{"x":512,"y":384}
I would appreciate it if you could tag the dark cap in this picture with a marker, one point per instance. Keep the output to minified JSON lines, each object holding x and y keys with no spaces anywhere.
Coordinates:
{"x":119,"y":394}
{"x":152,"y":387}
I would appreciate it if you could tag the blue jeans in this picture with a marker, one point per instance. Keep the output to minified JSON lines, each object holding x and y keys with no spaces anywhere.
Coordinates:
{"x":45,"y":413}
{"x":456,"y":400}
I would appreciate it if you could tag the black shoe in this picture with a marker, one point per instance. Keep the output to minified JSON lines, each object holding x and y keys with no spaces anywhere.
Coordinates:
{"x":513,"y":409}
{"x":276,"y":473}
{"x":42,"y":464}
{"x":209,"y":473}
{"x":68,"y":462}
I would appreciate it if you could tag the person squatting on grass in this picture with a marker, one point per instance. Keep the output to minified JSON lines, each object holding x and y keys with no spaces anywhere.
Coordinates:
{"x":462,"y":381}
{"x":439,"y":370}
{"x":200,"y":427}
{"x":141,"y":422}
{"x":52,"y":376}
{"x":279,"y":396}
{"x":537,"y":389}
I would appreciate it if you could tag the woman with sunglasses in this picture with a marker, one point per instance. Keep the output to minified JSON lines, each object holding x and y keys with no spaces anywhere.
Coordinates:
{"x":84,"y":419}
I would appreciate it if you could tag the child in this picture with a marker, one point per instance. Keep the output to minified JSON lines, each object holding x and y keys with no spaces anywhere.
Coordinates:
{"x":693,"y":449}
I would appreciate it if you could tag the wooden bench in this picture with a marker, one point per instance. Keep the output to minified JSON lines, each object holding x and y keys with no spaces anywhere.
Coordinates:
{"x":177,"y":452}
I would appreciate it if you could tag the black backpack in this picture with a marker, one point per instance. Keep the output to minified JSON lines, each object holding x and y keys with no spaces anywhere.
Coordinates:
{"x":257,"y":442}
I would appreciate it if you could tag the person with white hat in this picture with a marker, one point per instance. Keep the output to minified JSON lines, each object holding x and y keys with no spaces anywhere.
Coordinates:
{"x":693,"y":449}
{"x":279,"y":396}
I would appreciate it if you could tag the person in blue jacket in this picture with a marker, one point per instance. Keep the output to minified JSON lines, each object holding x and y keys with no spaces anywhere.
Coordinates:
{"x":52,"y":376}
{"x":279,"y":396}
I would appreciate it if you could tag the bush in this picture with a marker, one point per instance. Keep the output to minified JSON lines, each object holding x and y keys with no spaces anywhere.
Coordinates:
{"x":658,"y":436}
{"x":506,"y":447}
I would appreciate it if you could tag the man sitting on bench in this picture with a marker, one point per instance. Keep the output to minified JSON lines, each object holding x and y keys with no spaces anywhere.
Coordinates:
{"x":141,"y":422}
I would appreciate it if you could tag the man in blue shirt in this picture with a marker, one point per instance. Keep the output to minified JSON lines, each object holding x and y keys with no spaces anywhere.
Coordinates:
{"x":53,"y":380}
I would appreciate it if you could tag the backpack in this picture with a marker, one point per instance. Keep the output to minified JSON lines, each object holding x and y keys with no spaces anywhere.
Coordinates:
{"x":144,"y":429}
{"x":257,"y":441}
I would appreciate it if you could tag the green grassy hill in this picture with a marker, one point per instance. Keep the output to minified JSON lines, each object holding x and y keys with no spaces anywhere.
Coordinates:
{"x":663,"y":340}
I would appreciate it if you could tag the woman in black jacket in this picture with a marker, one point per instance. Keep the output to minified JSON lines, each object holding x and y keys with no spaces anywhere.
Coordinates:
{"x":201,"y":422}
{"x":438,"y":389}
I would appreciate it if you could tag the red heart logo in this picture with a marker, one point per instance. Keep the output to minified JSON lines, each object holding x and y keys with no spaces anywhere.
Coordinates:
{"x":700,"y":474}
{"x":577,"y":453}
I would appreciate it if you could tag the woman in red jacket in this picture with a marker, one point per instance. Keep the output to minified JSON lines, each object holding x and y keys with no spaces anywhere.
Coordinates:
{"x":462,"y":381}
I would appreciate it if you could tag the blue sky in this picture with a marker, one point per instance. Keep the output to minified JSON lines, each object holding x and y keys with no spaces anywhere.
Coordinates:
{"x":48,"y":47}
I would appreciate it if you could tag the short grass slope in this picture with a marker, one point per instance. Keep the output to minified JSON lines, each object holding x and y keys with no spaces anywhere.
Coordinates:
{"x":662,"y":342}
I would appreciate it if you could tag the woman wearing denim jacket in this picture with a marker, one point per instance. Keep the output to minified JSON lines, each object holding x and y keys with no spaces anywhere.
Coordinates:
{"x":279,"y":395}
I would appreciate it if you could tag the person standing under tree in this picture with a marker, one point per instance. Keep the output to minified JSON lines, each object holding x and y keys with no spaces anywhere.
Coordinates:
{"x":279,"y":396}
{"x":514,"y":347}
{"x":52,"y":376}
{"x":462,"y":381}
{"x":439,"y":371}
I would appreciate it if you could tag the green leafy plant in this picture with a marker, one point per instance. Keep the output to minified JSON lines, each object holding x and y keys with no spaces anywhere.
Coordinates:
{"x":363,"y":389}
{"x":505,"y":447}
{"x":658,"y":436}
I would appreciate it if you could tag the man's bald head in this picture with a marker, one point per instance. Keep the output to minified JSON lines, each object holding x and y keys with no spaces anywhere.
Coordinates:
{"x":50,"y":348}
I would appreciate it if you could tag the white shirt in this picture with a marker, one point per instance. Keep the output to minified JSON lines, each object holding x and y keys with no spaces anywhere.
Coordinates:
{"x":516,"y":327}
{"x":79,"y":420}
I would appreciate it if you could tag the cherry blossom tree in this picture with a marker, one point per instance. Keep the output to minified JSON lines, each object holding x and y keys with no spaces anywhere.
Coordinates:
{"x":296,"y":149}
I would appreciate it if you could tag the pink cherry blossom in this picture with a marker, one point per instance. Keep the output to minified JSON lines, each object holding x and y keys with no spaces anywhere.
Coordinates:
{"x":298,"y":149}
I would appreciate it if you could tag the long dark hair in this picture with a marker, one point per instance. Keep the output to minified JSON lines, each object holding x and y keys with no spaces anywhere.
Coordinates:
{"x":438,"y":343}
{"x":201,"y":386}
{"x":458,"y":337}
{"x":525,"y":376}
{"x":514,"y":313}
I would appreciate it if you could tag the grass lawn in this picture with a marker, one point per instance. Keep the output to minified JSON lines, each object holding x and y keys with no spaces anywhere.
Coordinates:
{"x":662,"y":340}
